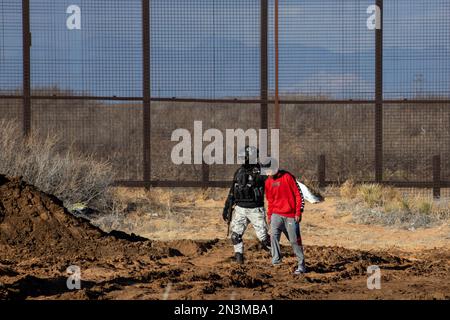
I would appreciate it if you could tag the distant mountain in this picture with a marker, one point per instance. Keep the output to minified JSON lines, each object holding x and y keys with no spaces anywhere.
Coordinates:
{"x":106,"y":61}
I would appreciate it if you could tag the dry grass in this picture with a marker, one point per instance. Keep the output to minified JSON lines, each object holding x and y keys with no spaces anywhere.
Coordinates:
{"x":195,"y":213}
{"x":67,"y":174}
{"x":376,"y":204}
{"x":162,"y":213}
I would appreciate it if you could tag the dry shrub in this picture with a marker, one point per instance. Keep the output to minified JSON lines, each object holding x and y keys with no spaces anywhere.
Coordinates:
{"x":67,"y":174}
{"x":385,"y":205}
{"x":348,"y":190}
{"x":371,"y":195}
{"x":375,"y":195}
{"x":168,"y":200}
{"x":162,"y":213}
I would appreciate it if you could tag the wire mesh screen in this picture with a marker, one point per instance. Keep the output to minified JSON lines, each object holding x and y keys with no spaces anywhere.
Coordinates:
{"x":416,"y":49}
{"x":413,"y":134}
{"x":10,"y":47}
{"x":239,"y":119}
{"x":205,"y":48}
{"x":195,"y":119}
{"x":343,"y":133}
{"x":11,"y":111}
{"x":100,"y":56}
{"x":118,"y":78}
{"x":109,"y":131}
{"x":326,"y":50}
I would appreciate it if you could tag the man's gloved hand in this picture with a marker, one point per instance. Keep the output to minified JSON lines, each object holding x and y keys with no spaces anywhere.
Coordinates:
{"x":298,"y":219}
{"x":225,"y":215}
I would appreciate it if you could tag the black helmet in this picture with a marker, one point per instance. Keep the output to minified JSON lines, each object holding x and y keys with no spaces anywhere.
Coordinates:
{"x":249,"y":155}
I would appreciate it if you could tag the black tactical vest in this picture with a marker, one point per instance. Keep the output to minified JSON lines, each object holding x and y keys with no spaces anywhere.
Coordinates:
{"x":249,"y":187}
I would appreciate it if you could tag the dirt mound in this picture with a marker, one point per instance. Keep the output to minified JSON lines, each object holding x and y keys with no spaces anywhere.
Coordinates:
{"x":31,"y":218}
{"x":34,"y":224}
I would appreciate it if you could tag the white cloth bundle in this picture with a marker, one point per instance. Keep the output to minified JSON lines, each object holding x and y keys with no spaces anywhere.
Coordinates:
{"x":308,"y":195}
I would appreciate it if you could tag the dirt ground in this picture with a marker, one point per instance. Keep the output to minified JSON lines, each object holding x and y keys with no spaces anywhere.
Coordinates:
{"x":199,"y":218}
{"x":39,"y":240}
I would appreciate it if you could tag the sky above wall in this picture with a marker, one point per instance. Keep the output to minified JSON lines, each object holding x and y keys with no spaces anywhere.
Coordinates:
{"x":210,"y":48}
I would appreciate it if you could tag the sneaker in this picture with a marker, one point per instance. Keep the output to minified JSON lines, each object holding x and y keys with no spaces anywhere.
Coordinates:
{"x":239,"y":258}
{"x":300,"y":270}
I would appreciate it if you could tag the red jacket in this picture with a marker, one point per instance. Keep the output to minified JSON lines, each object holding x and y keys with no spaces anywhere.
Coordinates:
{"x":283,"y":195}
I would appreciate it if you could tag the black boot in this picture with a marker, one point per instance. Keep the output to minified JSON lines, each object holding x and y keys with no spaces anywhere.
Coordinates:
{"x":239,"y":258}
{"x":266,"y":244}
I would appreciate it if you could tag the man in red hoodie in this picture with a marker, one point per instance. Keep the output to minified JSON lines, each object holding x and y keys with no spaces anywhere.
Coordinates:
{"x":285,"y":208}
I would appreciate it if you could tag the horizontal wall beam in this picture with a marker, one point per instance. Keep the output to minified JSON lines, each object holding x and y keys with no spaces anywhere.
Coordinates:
{"x":174,"y":184}
{"x":230,"y":101}
{"x":226,"y":184}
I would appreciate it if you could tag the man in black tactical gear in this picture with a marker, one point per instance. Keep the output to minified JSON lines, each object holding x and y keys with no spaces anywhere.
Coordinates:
{"x":247,"y":195}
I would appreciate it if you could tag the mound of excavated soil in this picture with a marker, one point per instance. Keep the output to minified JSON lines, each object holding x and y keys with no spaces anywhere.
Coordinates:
{"x":36,"y":224}
{"x":31,"y":218}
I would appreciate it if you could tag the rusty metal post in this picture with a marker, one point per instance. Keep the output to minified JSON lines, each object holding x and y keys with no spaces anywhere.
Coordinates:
{"x":277,"y":91}
{"x":437,"y":176}
{"x":321,"y":171}
{"x":264,"y":63}
{"x":205,"y":175}
{"x":26,"y":56}
{"x":379,"y":97}
{"x":146,"y":92}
